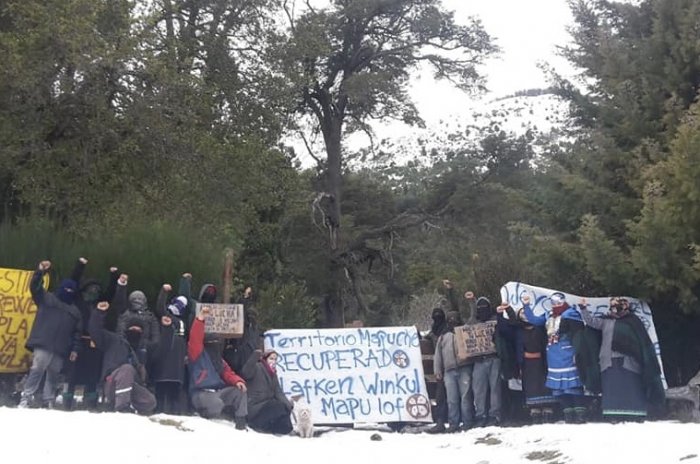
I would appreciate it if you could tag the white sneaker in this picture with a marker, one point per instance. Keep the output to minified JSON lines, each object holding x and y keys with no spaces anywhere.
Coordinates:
{"x":23,"y":404}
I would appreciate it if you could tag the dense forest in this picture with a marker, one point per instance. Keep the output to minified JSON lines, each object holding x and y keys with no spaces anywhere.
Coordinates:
{"x":154,"y":134}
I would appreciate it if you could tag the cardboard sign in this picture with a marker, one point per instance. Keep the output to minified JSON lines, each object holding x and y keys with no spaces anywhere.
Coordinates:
{"x":17,"y":312}
{"x":225,"y":319}
{"x":475,"y":340}
{"x":357,"y":375}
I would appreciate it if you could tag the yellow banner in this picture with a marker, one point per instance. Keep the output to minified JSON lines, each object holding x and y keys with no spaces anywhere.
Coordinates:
{"x":17,"y":311}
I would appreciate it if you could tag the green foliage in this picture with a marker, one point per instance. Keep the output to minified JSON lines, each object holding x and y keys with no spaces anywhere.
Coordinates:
{"x":150,"y":253}
{"x":287,"y":306}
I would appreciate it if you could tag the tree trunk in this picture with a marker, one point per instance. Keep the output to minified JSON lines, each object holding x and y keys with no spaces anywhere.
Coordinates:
{"x":334,"y":307}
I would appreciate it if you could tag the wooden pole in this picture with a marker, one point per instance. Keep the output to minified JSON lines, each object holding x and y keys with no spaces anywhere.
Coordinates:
{"x":228,"y":276}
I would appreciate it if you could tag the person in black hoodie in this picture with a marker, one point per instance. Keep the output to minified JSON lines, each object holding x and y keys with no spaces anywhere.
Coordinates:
{"x":86,"y":369}
{"x":123,"y":366}
{"x":168,"y":359}
{"x":55,"y":335}
{"x":487,"y":374}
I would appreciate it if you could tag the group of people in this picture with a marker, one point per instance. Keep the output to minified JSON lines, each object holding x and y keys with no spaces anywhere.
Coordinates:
{"x":142,"y":360}
{"x":145,"y":360}
{"x":560,"y":359}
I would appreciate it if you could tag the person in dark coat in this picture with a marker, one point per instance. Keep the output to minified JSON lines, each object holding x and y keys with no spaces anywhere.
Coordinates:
{"x":87,"y":368}
{"x":170,"y":354}
{"x":486,"y":378}
{"x":239,"y":350}
{"x":214,"y":386}
{"x":439,"y":327}
{"x":268,"y":409}
{"x":123,"y":366}
{"x":137,"y":307}
{"x":55,"y":335}
{"x":532,"y":354}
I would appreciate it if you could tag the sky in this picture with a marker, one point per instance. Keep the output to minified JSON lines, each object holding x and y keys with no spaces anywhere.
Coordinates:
{"x":41,"y":436}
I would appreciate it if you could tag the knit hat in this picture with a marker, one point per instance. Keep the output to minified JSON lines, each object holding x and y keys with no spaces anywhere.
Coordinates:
{"x":138,"y":301}
{"x":177,"y":306}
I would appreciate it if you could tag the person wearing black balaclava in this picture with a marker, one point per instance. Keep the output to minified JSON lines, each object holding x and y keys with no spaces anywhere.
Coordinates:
{"x":439,"y":327}
{"x":123,"y":366}
{"x":137,"y":307}
{"x":86,"y":369}
{"x":55,"y":335}
{"x":486,"y":377}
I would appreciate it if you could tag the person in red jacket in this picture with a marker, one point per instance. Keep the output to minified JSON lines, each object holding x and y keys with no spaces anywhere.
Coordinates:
{"x":214,"y":386}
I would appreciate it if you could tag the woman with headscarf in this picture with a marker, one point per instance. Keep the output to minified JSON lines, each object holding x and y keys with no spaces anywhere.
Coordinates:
{"x":630,"y":373}
{"x":561,"y":322}
{"x":268,"y":408}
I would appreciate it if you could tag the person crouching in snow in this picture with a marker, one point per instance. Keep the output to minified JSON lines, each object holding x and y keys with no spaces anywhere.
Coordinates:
{"x":169,"y":356}
{"x":214,"y":386}
{"x":55,"y":335}
{"x":268,"y":409}
{"x":123,"y":368}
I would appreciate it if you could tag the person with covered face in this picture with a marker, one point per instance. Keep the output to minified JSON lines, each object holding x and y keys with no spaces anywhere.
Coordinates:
{"x":239,"y":350}
{"x":268,"y":408}
{"x":630,"y":373}
{"x":137,"y":308}
{"x":214,"y":387}
{"x":532,"y":359}
{"x":486,"y":374}
{"x":123,"y":365}
{"x":168,"y":358}
{"x":562,"y":322}
{"x":87,"y":368}
{"x":437,"y":328}
{"x":55,"y":335}
{"x":456,"y":375}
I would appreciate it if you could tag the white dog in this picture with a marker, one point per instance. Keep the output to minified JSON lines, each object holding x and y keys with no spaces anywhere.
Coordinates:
{"x":302,"y":417}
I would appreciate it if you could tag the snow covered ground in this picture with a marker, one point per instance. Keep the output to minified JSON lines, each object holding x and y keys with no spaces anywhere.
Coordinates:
{"x":40,"y":436}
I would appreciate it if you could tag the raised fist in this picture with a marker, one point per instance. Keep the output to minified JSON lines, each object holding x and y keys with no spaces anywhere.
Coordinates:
{"x":167,"y":287}
{"x":82,"y":260}
{"x":446,"y":283}
{"x":45,"y":265}
{"x":113,"y":269}
{"x":103,"y":306}
{"x":204,"y":313}
{"x":187,"y":275}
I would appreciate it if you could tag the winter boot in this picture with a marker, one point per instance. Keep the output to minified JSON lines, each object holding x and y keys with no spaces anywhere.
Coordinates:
{"x":580,"y":415}
{"x":536,"y":416}
{"x":437,"y":428}
{"x":90,"y":400}
{"x":241,"y":423}
{"x":547,"y":416}
{"x":569,"y":415}
{"x":67,"y":401}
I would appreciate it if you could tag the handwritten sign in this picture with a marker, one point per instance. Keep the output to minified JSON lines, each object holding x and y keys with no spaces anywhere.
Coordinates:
{"x":353,"y":375}
{"x":513,"y":293}
{"x":17,"y":312}
{"x":475,"y":340}
{"x":225,"y":319}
